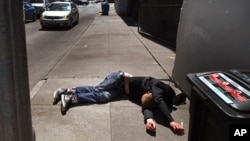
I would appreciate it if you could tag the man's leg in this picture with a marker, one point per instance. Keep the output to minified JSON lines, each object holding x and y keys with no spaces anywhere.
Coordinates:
{"x":82,"y":95}
{"x":88,"y":96}
{"x":96,"y":95}
{"x":112,"y":81}
{"x":67,"y":101}
{"x":109,"y":88}
{"x":77,"y":95}
{"x":57,"y":95}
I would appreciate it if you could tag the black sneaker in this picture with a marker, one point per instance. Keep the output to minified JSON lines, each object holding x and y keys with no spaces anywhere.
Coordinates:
{"x":67,"y":101}
{"x":57,"y":95}
{"x":180,"y":99}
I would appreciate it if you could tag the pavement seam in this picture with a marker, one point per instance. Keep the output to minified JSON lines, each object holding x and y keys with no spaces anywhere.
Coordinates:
{"x":70,"y":48}
{"x":158,"y":63}
{"x":37,"y":88}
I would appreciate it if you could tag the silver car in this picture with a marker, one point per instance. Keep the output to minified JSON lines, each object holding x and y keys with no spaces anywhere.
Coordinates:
{"x":60,"y":14}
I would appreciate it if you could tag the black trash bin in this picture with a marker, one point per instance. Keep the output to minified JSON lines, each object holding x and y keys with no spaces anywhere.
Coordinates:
{"x":219,"y":106}
{"x":105,"y":8}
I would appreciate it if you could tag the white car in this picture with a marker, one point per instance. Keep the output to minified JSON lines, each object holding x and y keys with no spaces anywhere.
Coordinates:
{"x":60,"y":14}
{"x":81,"y":2}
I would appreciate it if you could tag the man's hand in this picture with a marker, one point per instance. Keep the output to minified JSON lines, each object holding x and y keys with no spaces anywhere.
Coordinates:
{"x":178,"y":129}
{"x":150,"y":125}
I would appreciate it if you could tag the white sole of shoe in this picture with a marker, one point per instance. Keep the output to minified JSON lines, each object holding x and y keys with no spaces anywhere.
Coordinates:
{"x":63,"y":102}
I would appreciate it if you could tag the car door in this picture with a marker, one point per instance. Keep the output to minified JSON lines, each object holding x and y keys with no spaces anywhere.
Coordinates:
{"x":29,"y":11}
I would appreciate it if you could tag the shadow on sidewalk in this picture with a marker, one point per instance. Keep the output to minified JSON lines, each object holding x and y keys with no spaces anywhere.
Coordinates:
{"x":130,"y":21}
{"x":157,"y":113}
{"x":119,"y":98}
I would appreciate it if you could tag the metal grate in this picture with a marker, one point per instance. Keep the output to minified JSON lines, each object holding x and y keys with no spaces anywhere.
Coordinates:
{"x":159,"y":21}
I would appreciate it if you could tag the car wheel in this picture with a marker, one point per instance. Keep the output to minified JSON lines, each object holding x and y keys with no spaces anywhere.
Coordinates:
{"x":34,"y":18}
{"x":77,"y":20}
{"x":70,"y":23}
{"x":44,"y":27}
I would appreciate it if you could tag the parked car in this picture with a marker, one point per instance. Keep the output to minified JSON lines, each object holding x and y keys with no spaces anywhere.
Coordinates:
{"x":39,"y":5}
{"x":96,"y":1}
{"x":81,"y":2}
{"x":50,"y":1}
{"x":60,"y":14}
{"x":29,"y":12}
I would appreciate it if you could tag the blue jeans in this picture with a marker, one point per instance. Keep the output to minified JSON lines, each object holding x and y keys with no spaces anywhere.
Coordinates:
{"x":110,"y":88}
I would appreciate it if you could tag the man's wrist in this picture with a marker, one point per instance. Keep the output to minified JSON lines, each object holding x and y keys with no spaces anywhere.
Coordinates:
{"x":149,"y":119}
{"x":170,"y":122}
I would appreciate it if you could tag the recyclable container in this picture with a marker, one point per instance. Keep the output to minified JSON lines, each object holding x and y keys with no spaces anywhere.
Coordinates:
{"x":105,"y":8}
{"x":219,"y":106}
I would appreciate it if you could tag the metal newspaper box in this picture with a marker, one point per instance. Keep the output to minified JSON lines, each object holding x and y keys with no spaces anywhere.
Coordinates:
{"x":220,"y":106}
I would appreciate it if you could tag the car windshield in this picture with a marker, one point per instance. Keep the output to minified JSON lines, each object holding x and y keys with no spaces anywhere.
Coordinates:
{"x":37,"y":1}
{"x":27,"y":5}
{"x":58,"y":7}
{"x":50,"y":1}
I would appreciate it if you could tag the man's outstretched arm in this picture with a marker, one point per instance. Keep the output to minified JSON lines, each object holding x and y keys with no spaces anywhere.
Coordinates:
{"x":149,"y":121}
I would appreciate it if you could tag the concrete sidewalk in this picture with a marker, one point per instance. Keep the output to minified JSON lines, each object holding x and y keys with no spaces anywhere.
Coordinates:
{"x":111,"y":43}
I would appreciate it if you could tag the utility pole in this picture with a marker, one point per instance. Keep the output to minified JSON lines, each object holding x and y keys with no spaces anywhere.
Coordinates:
{"x":15,"y":108}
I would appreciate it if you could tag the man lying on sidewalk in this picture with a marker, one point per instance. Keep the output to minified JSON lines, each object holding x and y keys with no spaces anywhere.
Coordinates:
{"x":148,"y":92}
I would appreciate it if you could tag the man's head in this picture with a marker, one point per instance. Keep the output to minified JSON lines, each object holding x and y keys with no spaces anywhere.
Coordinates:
{"x":147,"y":100}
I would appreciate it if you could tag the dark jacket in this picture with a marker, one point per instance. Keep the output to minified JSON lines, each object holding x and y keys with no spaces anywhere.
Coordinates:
{"x":162,"y":93}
